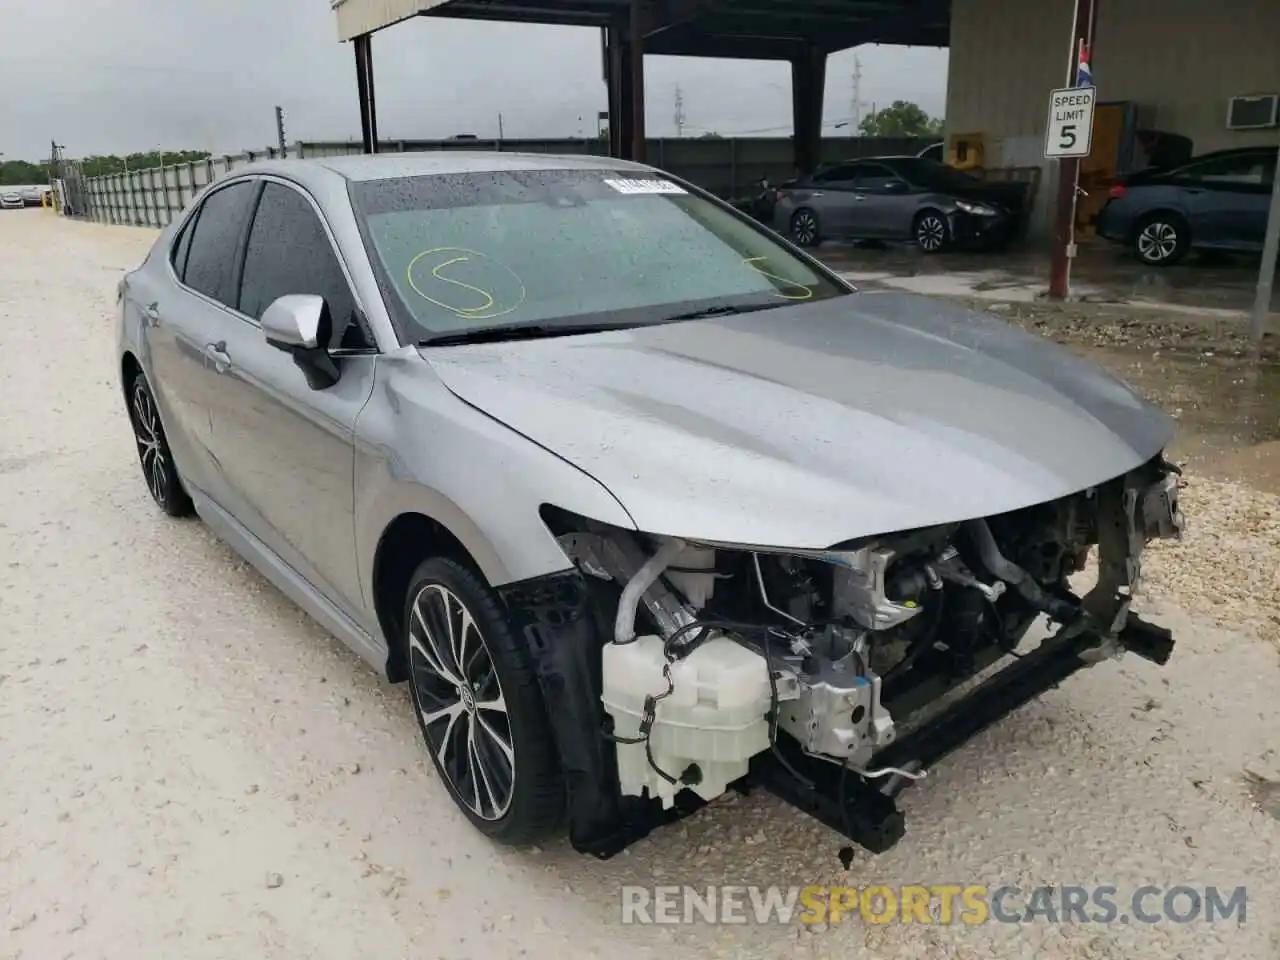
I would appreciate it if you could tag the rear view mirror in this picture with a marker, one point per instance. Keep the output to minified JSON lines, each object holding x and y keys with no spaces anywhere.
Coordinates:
{"x":299,"y":323}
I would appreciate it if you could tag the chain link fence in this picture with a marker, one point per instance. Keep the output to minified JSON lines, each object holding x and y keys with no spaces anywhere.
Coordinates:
{"x":726,"y":166}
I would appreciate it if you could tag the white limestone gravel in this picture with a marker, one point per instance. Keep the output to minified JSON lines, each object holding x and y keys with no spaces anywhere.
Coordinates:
{"x":190,"y":768}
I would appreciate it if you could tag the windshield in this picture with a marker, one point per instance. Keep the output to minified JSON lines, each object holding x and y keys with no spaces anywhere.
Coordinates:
{"x":462,"y":252}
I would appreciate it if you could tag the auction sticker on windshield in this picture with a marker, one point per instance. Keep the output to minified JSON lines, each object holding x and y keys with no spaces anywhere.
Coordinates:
{"x":645,"y":186}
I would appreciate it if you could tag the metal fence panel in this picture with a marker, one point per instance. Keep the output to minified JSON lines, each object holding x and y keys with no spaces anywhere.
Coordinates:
{"x":726,"y":166}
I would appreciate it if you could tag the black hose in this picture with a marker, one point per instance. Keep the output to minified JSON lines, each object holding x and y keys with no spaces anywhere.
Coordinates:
{"x":1008,"y":571}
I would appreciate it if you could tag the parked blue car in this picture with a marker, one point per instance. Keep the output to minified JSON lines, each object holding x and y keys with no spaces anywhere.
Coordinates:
{"x":1217,"y":201}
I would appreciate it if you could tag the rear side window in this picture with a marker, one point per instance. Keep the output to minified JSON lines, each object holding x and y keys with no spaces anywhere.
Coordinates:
{"x":178,"y":255}
{"x":290,"y":252}
{"x":211,"y":258}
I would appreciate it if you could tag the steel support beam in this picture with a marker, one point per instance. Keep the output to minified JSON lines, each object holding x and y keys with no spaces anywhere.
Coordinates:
{"x":364,"y":85}
{"x":808,"y":83}
{"x":636,"y":72}
{"x":619,"y":89}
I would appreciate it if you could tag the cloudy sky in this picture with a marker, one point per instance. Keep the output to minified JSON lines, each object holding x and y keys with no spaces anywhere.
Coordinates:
{"x":114,"y":76}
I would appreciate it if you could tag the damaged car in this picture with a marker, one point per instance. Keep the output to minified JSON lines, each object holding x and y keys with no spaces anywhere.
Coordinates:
{"x":642,"y":502}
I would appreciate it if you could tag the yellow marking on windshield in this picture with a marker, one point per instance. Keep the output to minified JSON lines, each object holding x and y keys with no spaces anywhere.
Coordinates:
{"x":490,"y":308}
{"x":804,"y":293}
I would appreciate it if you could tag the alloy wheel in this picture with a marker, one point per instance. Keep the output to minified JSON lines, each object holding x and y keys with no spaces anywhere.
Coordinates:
{"x":931,"y":233}
{"x":1158,"y":241}
{"x":804,"y":227}
{"x":460,"y":700}
{"x":147,"y":434}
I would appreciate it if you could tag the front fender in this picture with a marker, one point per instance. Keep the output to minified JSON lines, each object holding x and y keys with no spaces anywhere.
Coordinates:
{"x":420,"y":449}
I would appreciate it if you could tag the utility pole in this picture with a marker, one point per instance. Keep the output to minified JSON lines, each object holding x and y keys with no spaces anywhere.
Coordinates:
{"x":280,"y":129}
{"x":1267,"y":272}
{"x":679,"y":115}
{"x":500,"y":133}
{"x":856,"y":113}
{"x":1064,"y":230}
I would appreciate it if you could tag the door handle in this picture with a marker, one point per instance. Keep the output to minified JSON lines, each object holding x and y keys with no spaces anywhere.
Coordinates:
{"x":859,"y":196}
{"x":217,"y":352}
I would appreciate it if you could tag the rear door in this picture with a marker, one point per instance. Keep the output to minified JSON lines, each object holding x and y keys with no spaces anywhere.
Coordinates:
{"x":1227,"y":198}
{"x":179,"y":318}
{"x":829,"y":193}
{"x":287,"y":450}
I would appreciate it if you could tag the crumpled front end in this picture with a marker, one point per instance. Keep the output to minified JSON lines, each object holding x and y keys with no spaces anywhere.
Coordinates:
{"x":679,"y":669}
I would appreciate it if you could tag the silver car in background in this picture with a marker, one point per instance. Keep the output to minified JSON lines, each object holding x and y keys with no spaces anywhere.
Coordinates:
{"x":900,"y":199}
{"x":643,"y":502}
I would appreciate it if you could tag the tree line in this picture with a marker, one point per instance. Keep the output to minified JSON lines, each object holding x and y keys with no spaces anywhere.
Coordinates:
{"x":23,"y":172}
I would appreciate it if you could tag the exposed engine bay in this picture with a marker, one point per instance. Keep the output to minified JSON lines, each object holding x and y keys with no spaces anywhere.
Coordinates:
{"x":723,"y":657}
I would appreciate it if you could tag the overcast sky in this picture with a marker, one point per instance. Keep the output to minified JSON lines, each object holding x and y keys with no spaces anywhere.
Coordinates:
{"x":115,"y":76}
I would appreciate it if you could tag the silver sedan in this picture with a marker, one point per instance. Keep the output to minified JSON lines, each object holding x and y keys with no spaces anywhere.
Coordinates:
{"x":642,"y":501}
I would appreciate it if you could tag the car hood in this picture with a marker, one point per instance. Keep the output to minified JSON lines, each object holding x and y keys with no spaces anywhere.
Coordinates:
{"x":808,"y":425}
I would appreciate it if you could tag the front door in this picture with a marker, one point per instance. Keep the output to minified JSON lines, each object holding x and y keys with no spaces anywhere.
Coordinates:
{"x":1228,"y":198}
{"x":287,"y":450}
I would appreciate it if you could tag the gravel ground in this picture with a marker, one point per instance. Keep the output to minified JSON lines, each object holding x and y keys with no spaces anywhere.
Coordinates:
{"x":191,"y":768}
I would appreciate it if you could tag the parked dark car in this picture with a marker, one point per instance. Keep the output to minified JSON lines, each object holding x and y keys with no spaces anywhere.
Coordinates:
{"x":1218,"y":201}
{"x":899,"y":199}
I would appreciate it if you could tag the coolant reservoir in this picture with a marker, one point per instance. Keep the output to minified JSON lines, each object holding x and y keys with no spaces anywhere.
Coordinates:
{"x":715,"y":716}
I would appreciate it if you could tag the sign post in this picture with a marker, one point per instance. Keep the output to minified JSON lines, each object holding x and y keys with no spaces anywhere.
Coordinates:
{"x":1073,"y":135}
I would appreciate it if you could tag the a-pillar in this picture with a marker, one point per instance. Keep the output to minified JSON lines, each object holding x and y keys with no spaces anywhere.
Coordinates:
{"x":363,"y":45}
{"x":808,"y":84}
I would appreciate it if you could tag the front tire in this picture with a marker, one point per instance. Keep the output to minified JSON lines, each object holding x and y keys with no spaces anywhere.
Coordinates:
{"x":931,"y":232}
{"x":1161,"y":239}
{"x":479,"y":706}
{"x":158,"y":469}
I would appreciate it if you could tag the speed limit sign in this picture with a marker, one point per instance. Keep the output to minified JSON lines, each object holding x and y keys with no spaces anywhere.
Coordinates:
{"x":1069,"y":132}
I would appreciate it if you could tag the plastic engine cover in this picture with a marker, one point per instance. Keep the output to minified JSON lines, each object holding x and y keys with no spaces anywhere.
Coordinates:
{"x":715,"y":716}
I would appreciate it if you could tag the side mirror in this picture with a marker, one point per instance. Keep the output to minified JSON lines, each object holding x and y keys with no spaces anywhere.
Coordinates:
{"x":299,"y":324}
{"x":896,"y":186}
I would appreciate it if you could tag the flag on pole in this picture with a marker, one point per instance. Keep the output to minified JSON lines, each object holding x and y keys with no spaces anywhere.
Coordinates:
{"x":1084,"y":76}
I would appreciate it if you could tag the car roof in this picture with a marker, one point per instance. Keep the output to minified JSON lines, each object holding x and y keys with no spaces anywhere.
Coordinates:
{"x":387,"y":166}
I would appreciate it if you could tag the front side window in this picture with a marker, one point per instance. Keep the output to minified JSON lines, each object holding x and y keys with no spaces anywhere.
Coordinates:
{"x":210,"y":266}
{"x":459,"y":252}
{"x":874,"y":178}
{"x":289,"y":252}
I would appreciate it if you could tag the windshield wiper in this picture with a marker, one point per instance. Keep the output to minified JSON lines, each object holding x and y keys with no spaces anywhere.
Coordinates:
{"x":528,"y":331}
{"x":722,"y":310}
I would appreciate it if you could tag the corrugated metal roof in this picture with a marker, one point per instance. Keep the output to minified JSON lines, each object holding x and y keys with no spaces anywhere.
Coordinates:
{"x":756,"y":29}
{"x":365,"y":16}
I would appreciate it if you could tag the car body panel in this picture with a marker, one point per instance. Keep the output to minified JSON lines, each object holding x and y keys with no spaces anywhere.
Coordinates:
{"x":1222,"y":214}
{"x":851,"y":202}
{"x":797,"y":426}
{"x":810,"y":425}
{"x":419,"y":450}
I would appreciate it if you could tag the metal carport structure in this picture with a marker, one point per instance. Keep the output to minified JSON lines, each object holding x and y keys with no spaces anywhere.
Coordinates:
{"x":802,"y":32}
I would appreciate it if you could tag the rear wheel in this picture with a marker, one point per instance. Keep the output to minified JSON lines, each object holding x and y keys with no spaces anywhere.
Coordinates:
{"x":480,"y":707}
{"x":1161,"y":239}
{"x":805,"y":230}
{"x":931,"y":232}
{"x":158,"y":469}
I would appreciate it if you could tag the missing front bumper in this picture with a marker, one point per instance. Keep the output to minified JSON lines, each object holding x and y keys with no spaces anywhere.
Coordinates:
{"x":865,"y":811}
